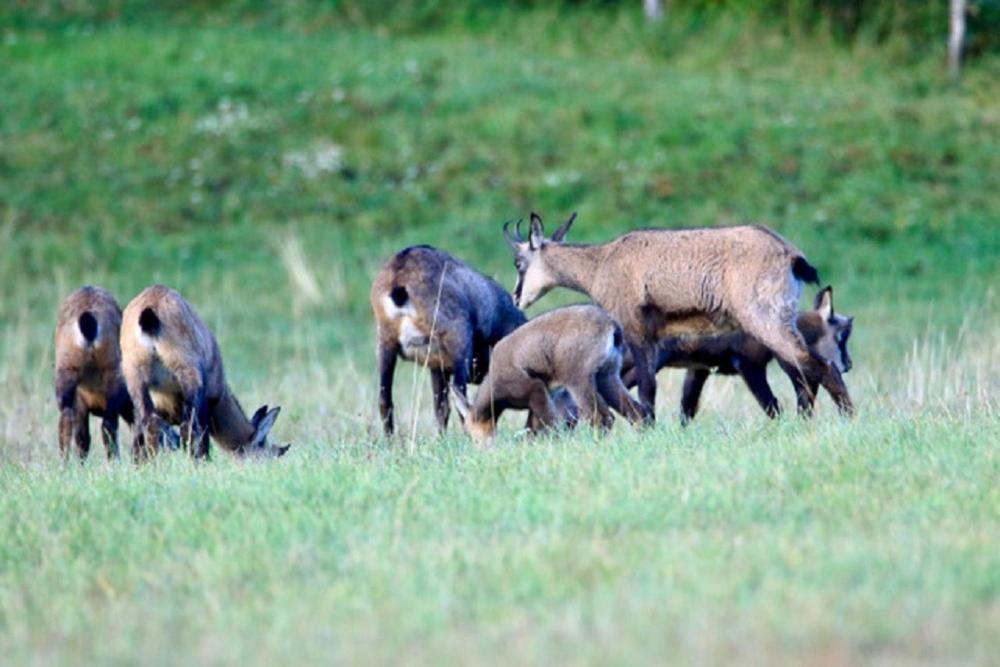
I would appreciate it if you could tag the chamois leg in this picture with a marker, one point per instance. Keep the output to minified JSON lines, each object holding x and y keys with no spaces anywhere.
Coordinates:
{"x":591,"y":405}
{"x":775,"y":327}
{"x":805,"y":391}
{"x":82,"y":432}
{"x":194,"y":412}
{"x":613,"y":390}
{"x":755,"y":377}
{"x":109,"y":434}
{"x":66,"y":393}
{"x":645,"y":376}
{"x":442,"y":406}
{"x":542,"y":413}
{"x":146,"y":429}
{"x":386,"y":357}
{"x":694,"y":382}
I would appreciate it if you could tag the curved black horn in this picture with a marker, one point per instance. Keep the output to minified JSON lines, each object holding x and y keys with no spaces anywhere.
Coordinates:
{"x":563,"y":228}
{"x":517,"y":230}
{"x":511,"y":241}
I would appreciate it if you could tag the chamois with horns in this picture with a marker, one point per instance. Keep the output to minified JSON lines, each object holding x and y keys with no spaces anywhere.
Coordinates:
{"x":662,"y":284}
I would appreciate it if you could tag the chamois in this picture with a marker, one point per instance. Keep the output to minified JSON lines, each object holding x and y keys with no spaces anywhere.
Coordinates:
{"x":667,"y":283}
{"x":825,"y":332}
{"x":576,"y":347}
{"x":173,"y":370}
{"x":433,"y":309}
{"x":88,"y":378}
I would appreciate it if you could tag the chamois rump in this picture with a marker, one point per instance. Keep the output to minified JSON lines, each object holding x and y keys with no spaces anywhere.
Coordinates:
{"x":577,"y":348}
{"x":667,"y":283}
{"x":174,"y":373}
{"x":88,"y":377}
{"x":825,"y":332}
{"x":433,"y":309}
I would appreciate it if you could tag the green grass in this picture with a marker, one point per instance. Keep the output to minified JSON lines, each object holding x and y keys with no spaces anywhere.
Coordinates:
{"x":267,"y":172}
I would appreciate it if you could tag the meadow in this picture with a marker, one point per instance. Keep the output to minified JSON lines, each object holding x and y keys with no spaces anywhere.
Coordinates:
{"x":267,"y":170}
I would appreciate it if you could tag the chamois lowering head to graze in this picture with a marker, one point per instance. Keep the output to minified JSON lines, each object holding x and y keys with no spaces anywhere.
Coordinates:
{"x":88,"y":370}
{"x":825,"y":332}
{"x":665,"y":283}
{"x":432,"y":309}
{"x":578,"y":348}
{"x":173,"y":370}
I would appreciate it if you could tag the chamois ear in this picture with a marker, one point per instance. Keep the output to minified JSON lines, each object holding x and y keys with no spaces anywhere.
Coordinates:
{"x":560,"y":233}
{"x":462,"y":404}
{"x":537,"y":234}
{"x":824,"y":302}
{"x":263,"y":428}
{"x":257,"y":416}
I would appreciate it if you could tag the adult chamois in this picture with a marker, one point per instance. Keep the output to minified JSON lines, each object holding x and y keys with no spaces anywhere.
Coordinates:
{"x":577,"y":348}
{"x":433,"y":309}
{"x":825,"y":331}
{"x":666,"y":283}
{"x":173,"y":370}
{"x":88,"y":379}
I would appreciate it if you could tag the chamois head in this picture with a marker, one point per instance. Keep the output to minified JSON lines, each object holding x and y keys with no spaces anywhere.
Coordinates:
{"x":534,"y":279}
{"x":259,"y":447}
{"x":482,"y":431}
{"x":827,"y":332}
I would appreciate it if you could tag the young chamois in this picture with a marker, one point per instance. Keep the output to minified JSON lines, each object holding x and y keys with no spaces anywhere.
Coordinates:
{"x":88,"y":370}
{"x":667,"y":283}
{"x":578,"y":348}
{"x":825,"y":332}
{"x":432,"y":309}
{"x":173,"y":370}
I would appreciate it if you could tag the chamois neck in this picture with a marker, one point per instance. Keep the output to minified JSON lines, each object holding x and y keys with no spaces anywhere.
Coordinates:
{"x":229,"y":424}
{"x":574,"y":266}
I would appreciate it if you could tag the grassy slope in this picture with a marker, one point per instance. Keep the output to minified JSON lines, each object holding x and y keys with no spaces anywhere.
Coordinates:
{"x":121,"y":164}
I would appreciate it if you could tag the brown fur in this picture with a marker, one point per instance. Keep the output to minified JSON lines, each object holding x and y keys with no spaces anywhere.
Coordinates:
{"x":578,"y":348}
{"x":432,"y":309}
{"x":662,"y":283}
{"x":825,"y":332}
{"x":174,"y":373}
{"x":88,"y":378}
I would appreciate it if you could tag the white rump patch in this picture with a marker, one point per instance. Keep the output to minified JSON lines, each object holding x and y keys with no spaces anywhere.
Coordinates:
{"x":393,"y":311}
{"x":410,"y":335}
{"x":147,"y":342}
{"x":80,"y":339}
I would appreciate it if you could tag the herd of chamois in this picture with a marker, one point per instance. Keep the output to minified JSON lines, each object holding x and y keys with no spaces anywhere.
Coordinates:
{"x":722,"y":299}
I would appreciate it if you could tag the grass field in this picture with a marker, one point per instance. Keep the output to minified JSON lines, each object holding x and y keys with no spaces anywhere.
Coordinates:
{"x":267,"y":172}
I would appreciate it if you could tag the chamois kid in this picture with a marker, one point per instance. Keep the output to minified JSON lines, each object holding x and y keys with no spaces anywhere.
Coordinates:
{"x":668,"y":283}
{"x":578,"y":348}
{"x":433,"y":309}
{"x":825,"y":332}
{"x":173,"y":370}
{"x":88,"y":379}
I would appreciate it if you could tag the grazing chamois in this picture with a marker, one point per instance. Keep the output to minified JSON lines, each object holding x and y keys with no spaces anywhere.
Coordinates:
{"x":173,"y":370}
{"x":825,"y":332}
{"x":433,"y":309}
{"x":578,"y":348}
{"x":88,"y":370}
{"x":666,"y":283}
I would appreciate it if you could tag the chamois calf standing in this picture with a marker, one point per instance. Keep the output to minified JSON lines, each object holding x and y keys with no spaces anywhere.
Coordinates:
{"x":88,"y":370}
{"x":667,"y":283}
{"x":578,"y":348}
{"x":825,"y":332}
{"x":432,"y":309}
{"x":173,"y":370}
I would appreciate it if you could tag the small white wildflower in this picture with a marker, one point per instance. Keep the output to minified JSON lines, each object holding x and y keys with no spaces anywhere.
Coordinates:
{"x":411,"y":66}
{"x":323,"y":157}
{"x":338,"y":95}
